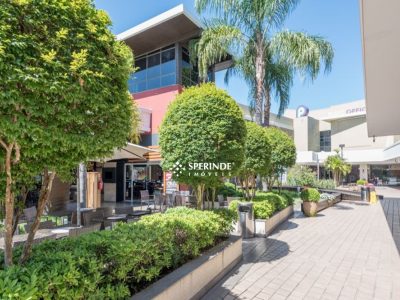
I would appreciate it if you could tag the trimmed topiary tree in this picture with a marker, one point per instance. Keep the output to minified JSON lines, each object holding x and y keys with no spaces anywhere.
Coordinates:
{"x":283,"y":154}
{"x":64,"y":95}
{"x":257,"y":158}
{"x":202,"y":125}
{"x":310,"y":195}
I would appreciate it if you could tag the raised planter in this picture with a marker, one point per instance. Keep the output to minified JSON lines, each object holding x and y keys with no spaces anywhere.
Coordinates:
{"x":321,"y":205}
{"x":195,"y":278}
{"x":265,"y":227}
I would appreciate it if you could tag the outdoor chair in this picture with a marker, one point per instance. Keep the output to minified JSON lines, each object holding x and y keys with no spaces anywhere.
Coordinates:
{"x":221,"y":201}
{"x":95,"y":217}
{"x":170,"y":200}
{"x":124,"y":210}
{"x":30,"y":214}
{"x":179,"y":200}
{"x":145,"y":198}
{"x":42,"y":225}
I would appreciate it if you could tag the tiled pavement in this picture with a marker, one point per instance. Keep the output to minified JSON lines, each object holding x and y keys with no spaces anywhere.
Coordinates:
{"x":346,"y":252}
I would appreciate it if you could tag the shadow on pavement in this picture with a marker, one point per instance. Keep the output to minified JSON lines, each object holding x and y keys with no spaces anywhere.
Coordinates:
{"x":342,"y":207}
{"x":254,"y":250}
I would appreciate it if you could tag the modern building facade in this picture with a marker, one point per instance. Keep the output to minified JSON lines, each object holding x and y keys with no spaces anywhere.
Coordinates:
{"x":318,"y":133}
{"x":163,"y":69}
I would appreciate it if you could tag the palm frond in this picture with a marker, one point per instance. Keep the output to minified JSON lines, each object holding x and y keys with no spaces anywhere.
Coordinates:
{"x":279,"y":79}
{"x":305,"y":53}
{"x":272,"y":13}
{"x":215,"y":45}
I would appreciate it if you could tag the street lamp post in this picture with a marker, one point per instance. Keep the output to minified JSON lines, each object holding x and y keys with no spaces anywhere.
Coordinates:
{"x":341,"y":146}
{"x":81,"y":192}
{"x":341,"y":154}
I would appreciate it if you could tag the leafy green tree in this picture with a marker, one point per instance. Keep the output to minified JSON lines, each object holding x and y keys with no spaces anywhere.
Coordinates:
{"x":283,"y":153}
{"x":257,"y":158}
{"x":202,"y":125}
{"x":301,"y":176}
{"x":263,"y":54}
{"x":338,"y":166}
{"x":64,"y":97}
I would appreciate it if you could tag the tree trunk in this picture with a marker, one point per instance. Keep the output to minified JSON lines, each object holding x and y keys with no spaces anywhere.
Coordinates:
{"x":260,"y":76}
{"x":9,"y":207}
{"x":267,"y":107}
{"x":199,"y":195}
{"x":253,"y":192}
{"x":213,"y":192}
{"x":43,"y":198}
{"x":18,"y":211}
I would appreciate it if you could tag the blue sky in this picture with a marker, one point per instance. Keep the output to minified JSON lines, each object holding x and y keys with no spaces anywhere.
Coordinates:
{"x":336,"y":20}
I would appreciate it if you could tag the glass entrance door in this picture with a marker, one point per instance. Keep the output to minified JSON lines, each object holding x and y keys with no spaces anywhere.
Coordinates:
{"x":135,"y":180}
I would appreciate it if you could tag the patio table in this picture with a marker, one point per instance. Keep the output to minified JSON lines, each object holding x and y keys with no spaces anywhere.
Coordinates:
{"x":117,"y":218}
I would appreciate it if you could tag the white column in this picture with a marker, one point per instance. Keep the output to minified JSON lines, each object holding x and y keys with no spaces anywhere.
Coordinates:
{"x":363,"y":171}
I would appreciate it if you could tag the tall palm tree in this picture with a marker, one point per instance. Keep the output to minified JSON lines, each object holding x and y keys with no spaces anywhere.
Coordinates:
{"x":338,"y":166}
{"x":266,"y":58}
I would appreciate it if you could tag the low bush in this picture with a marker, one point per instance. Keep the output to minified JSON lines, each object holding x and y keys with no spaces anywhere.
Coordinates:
{"x":114,"y":264}
{"x":265,"y":204}
{"x":361,"y":182}
{"x":326,"y":196}
{"x":310,"y":195}
{"x":233,"y":207}
{"x":290,"y":196}
{"x":328,"y":184}
{"x":229,"y":190}
{"x":264,"y":209}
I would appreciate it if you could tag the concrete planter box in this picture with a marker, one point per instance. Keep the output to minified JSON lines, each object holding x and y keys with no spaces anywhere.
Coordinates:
{"x":321,"y":205}
{"x":195,"y":278}
{"x":265,"y":227}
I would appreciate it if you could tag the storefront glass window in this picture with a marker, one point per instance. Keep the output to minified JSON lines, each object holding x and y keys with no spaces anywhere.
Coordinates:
{"x":155,"y":70}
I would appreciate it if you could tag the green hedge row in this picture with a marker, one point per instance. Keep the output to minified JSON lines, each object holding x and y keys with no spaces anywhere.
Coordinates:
{"x":114,"y":264}
{"x":266,"y":204}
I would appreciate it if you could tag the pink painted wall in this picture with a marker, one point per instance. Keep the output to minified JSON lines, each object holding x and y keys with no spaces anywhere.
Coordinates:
{"x":157,"y":101}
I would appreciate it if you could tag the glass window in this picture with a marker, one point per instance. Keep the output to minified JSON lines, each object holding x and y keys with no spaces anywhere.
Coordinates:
{"x":141,"y":63}
{"x":156,"y":69}
{"x":325,"y":140}
{"x":167,"y":55}
{"x":153,"y":60}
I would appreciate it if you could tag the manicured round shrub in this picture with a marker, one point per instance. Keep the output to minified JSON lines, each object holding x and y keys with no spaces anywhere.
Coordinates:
{"x":310,"y":195}
{"x":233,"y":206}
{"x":264,"y":209}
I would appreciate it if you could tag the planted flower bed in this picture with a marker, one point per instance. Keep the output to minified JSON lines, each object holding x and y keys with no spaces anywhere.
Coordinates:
{"x":115,"y":264}
{"x":313,"y":201}
{"x":270,"y":210}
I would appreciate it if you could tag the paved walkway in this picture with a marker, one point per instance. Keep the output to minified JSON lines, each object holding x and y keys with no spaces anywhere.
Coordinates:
{"x":346,"y":252}
{"x":391,"y":207}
